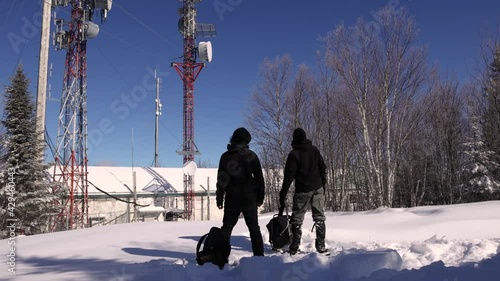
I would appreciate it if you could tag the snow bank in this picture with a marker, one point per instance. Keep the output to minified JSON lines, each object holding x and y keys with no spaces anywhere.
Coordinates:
{"x":458,"y":242}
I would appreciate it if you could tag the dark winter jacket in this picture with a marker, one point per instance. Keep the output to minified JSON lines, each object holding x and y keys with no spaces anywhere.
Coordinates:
{"x":306,"y":166}
{"x":240,"y":182}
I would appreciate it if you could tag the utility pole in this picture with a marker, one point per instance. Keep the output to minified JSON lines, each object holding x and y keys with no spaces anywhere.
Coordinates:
{"x":42,"y":73}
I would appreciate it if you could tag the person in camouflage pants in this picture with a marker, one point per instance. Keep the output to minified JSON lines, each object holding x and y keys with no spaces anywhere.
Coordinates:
{"x":305,"y":166}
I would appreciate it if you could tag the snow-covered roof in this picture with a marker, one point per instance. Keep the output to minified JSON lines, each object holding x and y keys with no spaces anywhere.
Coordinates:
{"x":151,"y":209}
{"x":119,"y":180}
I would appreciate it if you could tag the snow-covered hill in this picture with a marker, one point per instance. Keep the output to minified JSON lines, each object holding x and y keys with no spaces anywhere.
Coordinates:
{"x":458,"y":242}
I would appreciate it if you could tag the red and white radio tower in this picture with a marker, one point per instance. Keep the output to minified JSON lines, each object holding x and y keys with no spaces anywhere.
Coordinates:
{"x":70,"y":169}
{"x":189,"y":70}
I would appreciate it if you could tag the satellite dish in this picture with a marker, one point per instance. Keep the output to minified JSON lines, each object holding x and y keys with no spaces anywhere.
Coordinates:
{"x":205,"y":51}
{"x":180,"y":25}
{"x":190,"y":168}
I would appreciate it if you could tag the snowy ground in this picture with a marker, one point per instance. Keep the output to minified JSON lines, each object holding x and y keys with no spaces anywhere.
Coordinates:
{"x":453,"y":243}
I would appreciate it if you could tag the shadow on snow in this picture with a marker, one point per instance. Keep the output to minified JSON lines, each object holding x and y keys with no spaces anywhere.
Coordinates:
{"x":162,"y":269}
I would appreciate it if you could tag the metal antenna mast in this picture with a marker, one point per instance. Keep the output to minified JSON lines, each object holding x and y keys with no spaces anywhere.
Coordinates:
{"x":188,"y":71}
{"x":70,"y":169}
{"x":158,"y":113}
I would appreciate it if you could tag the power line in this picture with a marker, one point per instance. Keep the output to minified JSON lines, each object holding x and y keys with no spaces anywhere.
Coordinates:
{"x":144,"y":24}
{"x":116,"y":198}
{"x":123,"y":41}
{"x":114,"y":68}
{"x":21,"y":53}
{"x":129,"y":86}
{"x":9,"y":9}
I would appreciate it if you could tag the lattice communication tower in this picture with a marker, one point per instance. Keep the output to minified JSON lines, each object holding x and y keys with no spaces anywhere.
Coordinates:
{"x":188,"y":70}
{"x":70,"y":169}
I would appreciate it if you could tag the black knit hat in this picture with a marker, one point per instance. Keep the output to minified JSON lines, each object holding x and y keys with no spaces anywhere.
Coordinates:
{"x":241,"y":135}
{"x":299,"y":136}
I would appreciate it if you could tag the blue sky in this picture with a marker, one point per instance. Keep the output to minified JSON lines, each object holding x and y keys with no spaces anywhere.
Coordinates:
{"x":140,"y":36}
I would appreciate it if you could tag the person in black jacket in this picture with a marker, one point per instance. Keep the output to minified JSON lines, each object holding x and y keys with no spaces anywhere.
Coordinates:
{"x":305,"y":165}
{"x":240,"y":188}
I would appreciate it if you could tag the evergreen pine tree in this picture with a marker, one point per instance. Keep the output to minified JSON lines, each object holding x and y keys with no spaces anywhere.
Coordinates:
{"x":492,"y":112}
{"x":480,"y":167}
{"x":23,"y":176}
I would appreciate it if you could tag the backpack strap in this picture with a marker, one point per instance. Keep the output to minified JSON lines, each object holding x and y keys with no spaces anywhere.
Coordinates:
{"x":283,"y":208}
{"x":199,"y":244}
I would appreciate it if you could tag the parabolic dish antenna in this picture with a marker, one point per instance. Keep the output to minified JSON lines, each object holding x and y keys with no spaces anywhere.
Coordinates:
{"x":190,"y":168}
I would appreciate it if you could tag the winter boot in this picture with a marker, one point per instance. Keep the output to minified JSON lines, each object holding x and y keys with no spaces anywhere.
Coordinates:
{"x":297,"y":234}
{"x":320,"y":237}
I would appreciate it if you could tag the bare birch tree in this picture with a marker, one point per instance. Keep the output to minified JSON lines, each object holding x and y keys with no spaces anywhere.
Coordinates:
{"x":401,"y":71}
{"x":352,"y":60}
{"x":414,"y":166}
{"x":330,"y":117}
{"x":267,"y":119}
{"x":383,"y":69}
{"x":323,"y":116}
{"x":445,"y":123}
{"x":299,"y":100}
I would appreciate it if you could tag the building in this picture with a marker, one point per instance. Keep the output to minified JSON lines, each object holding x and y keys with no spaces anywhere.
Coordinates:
{"x":159,"y":192}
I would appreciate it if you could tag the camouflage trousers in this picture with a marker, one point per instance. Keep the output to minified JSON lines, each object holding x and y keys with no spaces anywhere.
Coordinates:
{"x":302,"y":201}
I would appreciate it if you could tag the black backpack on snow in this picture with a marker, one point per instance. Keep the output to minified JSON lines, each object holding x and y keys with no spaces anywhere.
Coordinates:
{"x":280,"y":233}
{"x":216,"y":248}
